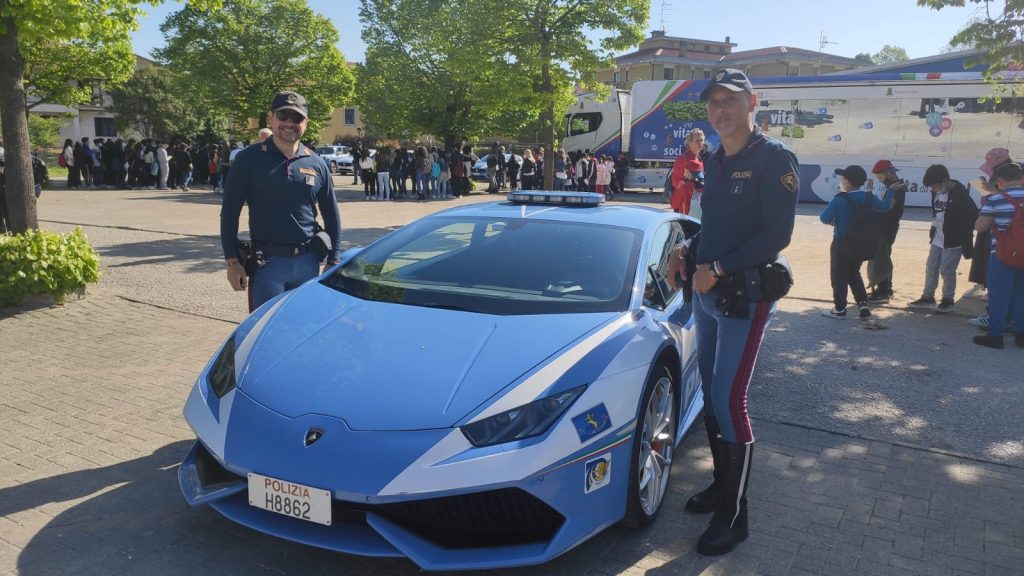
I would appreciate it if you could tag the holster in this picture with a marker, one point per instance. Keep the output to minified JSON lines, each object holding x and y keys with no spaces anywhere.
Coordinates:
{"x":322,"y":244}
{"x":246,"y":256}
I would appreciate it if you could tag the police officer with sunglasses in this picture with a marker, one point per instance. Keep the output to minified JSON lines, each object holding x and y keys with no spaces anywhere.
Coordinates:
{"x":284,"y":183}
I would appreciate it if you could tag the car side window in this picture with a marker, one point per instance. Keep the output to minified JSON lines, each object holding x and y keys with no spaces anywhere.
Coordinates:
{"x":658,"y":292}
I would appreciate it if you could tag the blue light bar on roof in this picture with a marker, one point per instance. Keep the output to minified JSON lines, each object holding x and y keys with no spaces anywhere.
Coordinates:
{"x":555,"y":198}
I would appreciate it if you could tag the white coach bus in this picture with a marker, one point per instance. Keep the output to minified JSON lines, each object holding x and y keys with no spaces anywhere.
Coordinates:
{"x":914,"y":120}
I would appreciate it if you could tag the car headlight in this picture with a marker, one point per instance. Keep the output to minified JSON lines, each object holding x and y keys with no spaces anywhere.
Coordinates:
{"x":222,"y":374}
{"x":526,"y":421}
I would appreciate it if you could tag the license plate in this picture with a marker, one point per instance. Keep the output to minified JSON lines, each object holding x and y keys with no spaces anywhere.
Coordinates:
{"x":290,"y":499}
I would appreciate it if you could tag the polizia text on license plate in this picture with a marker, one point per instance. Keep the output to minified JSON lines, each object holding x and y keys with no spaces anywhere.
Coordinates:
{"x":290,"y":499}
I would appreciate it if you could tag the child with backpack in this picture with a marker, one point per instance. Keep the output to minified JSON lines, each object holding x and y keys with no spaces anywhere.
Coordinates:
{"x":951,"y":235}
{"x":855,"y":214}
{"x":1002,"y":214}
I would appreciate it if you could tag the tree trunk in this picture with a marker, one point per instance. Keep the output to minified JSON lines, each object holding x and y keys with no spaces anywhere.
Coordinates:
{"x":21,"y":199}
{"x":547,"y":116}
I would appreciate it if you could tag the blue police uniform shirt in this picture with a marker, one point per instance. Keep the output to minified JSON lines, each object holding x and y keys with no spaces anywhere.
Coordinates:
{"x":283,"y":195}
{"x":748,"y":205}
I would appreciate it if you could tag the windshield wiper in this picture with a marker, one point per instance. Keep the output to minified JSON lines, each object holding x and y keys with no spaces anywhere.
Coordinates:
{"x":441,"y":306}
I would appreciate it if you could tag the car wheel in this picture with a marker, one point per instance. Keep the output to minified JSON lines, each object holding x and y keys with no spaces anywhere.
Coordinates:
{"x":334,"y":167}
{"x":653,"y":445}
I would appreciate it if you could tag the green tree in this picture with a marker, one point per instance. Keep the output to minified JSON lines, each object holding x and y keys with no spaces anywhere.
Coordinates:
{"x":64,"y":72}
{"x":150,"y":103}
{"x":889,"y":55}
{"x":864,"y":58}
{"x":235,"y":59}
{"x":998,"y":37}
{"x":430,"y":69}
{"x":24,"y":26}
{"x":549,"y":40}
{"x":44,"y":131}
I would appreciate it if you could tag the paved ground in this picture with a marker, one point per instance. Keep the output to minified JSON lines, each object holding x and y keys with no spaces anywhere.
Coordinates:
{"x":894,"y":447}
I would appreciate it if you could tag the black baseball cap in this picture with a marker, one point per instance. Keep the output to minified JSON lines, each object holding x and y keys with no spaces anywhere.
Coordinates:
{"x":854,"y":175}
{"x":728,"y":78}
{"x":287,"y":100}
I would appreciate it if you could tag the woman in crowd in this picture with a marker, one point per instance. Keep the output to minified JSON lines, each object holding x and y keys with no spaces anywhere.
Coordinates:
{"x":528,"y":172}
{"x":688,"y":173}
{"x":383,"y":161}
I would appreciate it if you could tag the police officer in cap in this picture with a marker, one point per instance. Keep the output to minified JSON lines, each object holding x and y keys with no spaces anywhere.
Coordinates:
{"x":284,"y":183}
{"x":749,"y":208}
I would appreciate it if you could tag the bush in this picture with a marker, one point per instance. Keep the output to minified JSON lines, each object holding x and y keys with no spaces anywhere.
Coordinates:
{"x":39,"y":262}
{"x":795,"y":132}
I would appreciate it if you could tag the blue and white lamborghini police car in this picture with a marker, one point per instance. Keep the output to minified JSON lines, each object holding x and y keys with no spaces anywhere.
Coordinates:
{"x":487,"y":386}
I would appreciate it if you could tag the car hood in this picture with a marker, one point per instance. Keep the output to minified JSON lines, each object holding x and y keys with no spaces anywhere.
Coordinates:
{"x":384,"y":366}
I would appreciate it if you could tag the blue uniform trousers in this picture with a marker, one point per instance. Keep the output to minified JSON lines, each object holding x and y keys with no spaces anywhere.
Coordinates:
{"x":726,"y":353}
{"x":282,"y":273}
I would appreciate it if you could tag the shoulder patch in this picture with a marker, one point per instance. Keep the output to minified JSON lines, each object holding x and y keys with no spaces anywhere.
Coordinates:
{"x":307,"y":171}
{"x":788,"y":181}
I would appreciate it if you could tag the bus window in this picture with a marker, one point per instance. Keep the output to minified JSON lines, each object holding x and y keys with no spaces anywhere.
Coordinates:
{"x":926,"y":127}
{"x":584,"y":123}
{"x":820,"y":126}
{"x":873,"y":127}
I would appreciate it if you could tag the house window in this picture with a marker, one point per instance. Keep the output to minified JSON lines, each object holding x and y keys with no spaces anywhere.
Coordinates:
{"x":707,"y":48}
{"x":626,"y":80}
{"x":690,"y":47}
{"x":721,"y":49}
{"x":669,"y":73}
{"x":350,"y":116}
{"x":707,"y":74}
{"x":105,"y":127}
{"x":615,"y":77}
{"x":794,"y":71}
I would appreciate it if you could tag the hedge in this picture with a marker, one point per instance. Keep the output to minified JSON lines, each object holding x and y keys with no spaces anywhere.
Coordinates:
{"x":44,"y":263}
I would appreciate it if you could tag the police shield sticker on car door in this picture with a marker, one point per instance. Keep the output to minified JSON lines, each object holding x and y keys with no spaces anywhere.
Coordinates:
{"x":290,"y":499}
{"x":598,"y":473}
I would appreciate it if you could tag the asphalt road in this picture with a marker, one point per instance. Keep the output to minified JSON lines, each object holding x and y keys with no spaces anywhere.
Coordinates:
{"x":911,"y":378}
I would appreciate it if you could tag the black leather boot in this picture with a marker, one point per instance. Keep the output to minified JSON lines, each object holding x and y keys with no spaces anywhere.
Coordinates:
{"x":707,"y":500}
{"x":728,"y":526}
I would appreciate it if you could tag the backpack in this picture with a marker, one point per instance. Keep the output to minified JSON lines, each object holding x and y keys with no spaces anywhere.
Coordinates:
{"x":459,"y":169}
{"x":62,"y":161}
{"x":1010,"y":242}
{"x":864,"y":233}
{"x":435,"y":169}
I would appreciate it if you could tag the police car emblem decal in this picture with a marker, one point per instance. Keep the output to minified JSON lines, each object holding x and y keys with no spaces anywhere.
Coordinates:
{"x":597,"y":473}
{"x":789,"y":181}
{"x":719,"y":76}
{"x":592,"y":422}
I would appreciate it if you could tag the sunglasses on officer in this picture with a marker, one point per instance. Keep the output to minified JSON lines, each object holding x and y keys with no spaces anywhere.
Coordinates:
{"x":289,"y":116}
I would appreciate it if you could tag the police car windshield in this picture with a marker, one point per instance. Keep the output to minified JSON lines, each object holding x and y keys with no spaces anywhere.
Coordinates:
{"x":490,"y":266}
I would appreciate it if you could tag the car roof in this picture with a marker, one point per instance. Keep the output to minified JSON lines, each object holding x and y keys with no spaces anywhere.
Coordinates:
{"x":638,"y":217}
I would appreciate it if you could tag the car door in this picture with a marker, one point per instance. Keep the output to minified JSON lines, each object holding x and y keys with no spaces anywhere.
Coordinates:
{"x":667,"y":307}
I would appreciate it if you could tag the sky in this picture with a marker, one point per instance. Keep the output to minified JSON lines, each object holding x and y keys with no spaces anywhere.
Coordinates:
{"x":851,"y":26}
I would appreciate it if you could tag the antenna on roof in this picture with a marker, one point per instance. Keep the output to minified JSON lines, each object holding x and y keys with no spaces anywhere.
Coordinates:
{"x":822,"y":42}
{"x":666,"y":7}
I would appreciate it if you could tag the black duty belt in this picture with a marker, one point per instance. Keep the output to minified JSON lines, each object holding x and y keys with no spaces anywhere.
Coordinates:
{"x":292,"y":250}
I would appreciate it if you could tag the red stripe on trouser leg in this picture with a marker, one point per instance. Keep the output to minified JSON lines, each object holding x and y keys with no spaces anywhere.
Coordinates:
{"x":740,"y":382}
